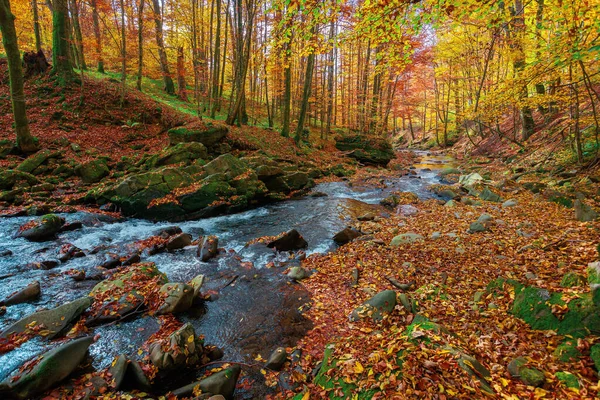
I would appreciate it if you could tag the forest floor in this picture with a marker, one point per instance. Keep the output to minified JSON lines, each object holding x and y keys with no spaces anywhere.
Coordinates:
{"x":468,"y":300}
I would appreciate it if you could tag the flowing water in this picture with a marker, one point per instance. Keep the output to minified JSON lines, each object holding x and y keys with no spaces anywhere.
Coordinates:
{"x":256,"y":309}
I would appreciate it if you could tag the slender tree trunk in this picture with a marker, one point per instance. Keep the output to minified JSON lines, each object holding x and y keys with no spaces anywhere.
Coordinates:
{"x":527,"y":122}
{"x":182,"y":92}
{"x":78,"y":35}
{"x":330,"y":62}
{"x":310,"y":63}
{"x":62,"y":67}
{"x":215,"y":66}
{"x":123,"y":53}
{"x":98,"y":35}
{"x":162,"y":53}
{"x":36,"y":26}
{"x":140,"y":44}
{"x":25,"y":142}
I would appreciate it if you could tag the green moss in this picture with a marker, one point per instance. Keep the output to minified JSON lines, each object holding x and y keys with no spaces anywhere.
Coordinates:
{"x":568,"y":379}
{"x":572,"y":279}
{"x":595,"y":356}
{"x":533,"y":305}
{"x":532,"y":376}
{"x":567,"y":351}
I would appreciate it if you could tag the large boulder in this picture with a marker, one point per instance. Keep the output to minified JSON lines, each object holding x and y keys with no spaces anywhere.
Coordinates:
{"x":34,"y":161}
{"x":42,"y":229}
{"x":92,"y":171}
{"x":346,"y":236}
{"x":181,"y":349}
{"x":178,"y":298}
{"x":208,"y":136}
{"x":222,"y":383}
{"x":288,"y":241}
{"x":9,"y":177}
{"x":208,"y":248}
{"x":29,"y":292}
{"x":124,"y":282}
{"x":366,"y":149}
{"x":181,"y":152}
{"x":53,"y":322}
{"x":376,"y":307}
{"x":52,"y":367}
{"x":584,"y":212}
{"x":179,"y":241}
{"x":406,"y":238}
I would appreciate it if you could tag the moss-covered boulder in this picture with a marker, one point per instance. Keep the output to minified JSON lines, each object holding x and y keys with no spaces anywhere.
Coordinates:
{"x":572,"y":279}
{"x":220,"y":383}
{"x":34,"y":161}
{"x":534,"y":306}
{"x":208,"y":136}
{"x":9,"y":177}
{"x":178,"y":297}
{"x":366,"y":149}
{"x":42,"y":229}
{"x":567,"y":379}
{"x":53,"y":322}
{"x":376,"y":307}
{"x":406,"y":238}
{"x":181,"y":152}
{"x":92,"y":171}
{"x":593,"y":271}
{"x":530,"y":376}
{"x":127,"y":280}
{"x":49,"y":369}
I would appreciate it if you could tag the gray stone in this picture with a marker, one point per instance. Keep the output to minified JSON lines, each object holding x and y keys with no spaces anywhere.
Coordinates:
{"x":483,"y":218}
{"x":44,"y":229}
{"x":477,"y":227}
{"x":30,"y":292}
{"x":54,"y":366}
{"x":346,"y":236}
{"x":297,"y":273}
{"x":179,"y":241}
{"x":277,"y":359}
{"x":181,"y":349}
{"x":118,"y":370}
{"x":55,"y":320}
{"x":221,"y":383}
{"x":209,"y":248}
{"x":584,"y":212}
{"x":375,"y":308}
{"x":197,"y":283}
{"x":179,"y":298}
{"x":509,"y":203}
{"x":289,"y":241}
{"x":406,"y":238}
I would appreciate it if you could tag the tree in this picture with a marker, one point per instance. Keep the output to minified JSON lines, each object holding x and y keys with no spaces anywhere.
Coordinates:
{"x":62,"y":67}
{"x":97,"y":35}
{"x":25,"y":141}
{"x":162,"y":53}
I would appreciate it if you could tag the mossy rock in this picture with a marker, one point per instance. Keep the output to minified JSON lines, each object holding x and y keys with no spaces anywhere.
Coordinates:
{"x":595,"y":356}
{"x":567,"y":351}
{"x":181,"y":152}
{"x":9,"y":177}
{"x":44,"y":229}
{"x":568,"y":379}
{"x":533,"y":305}
{"x":34,"y":161}
{"x":92,"y":171}
{"x":572,"y":279}
{"x":118,"y":282}
{"x":210,"y":191}
{"x":209,"y":136}
{"x":366,"y":149}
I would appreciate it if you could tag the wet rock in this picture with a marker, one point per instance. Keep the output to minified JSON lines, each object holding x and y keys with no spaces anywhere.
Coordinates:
{"x":179,"y":298}
{"x":179,"y":241}
{"x":43,"y":229}
{"x":45,"y":265}
{"x":132,"y":259}
{"x":289,"y":241}
{"x":6,"y":253}
{"x":114,"y":310}
{"x":181,"y":349}
{"x":95,"y":387}
{"x":297,"y":273}
{"x":117,"y":283}
{"x":30,"y":292}
{"x":584,"y":212}
{"x":221,"y":383}
{"x":117,"y":371}
{"x":55,"y":320}
{"x":136,"y":378}
{"x":406,"y":238}
{"x":375,"y":308}
{"x":169,"y":231}
{"x":71,"y":226}
{"x":346,"y":236}
{"x":197,"y":283}
{"x":277,"y":359}
{"x":318,"y":194}
{"x":113,"y":261}
{"x":208,"y":248}
{"x":529,"y":376}
{"x":54,"y":366}
{"x":68,"y":251}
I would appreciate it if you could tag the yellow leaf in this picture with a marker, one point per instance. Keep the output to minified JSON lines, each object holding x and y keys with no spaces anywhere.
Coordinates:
{"x":358,"y":368}
{"x":190,"y":339}
{"x":306,"y":396}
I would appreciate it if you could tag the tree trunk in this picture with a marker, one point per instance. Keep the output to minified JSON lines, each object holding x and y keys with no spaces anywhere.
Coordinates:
{"x":527,"y":122}
{"x":98,"y":35}
{"x":310,"y":63}
{"x":25,"y":142}
{"x":162,"y":53}
{"x":182,"y":92}
{"x":78,"y":35}
{"x":123,"y":53}
{"x":36,"y":26}
{"x":140,"y":44}
{"x":215,"y":66}
{"x":62,"y":67}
